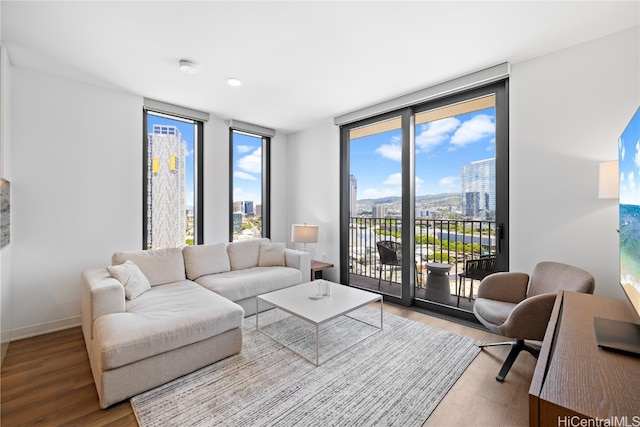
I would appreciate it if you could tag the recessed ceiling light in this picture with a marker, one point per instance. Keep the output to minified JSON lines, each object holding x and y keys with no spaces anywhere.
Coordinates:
{"x":234,"y":82}
{"x":188,"y":67}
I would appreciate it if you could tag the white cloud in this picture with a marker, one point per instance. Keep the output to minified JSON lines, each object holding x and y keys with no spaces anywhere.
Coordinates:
{"x":390,"y":151}
{"x":394,"y":179}
{"x":449,"y":184}
{"x":244,"y":175}
{"x":433,"y":133}
{"x":636,"y":158}
{"x":240,"y":193}
{"x":244,"y":148}
{"x":252,"y":163}
{"x":478,"y":127}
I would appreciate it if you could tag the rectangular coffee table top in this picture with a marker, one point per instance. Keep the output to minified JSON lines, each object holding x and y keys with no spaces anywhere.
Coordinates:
{"x":295,"y":300}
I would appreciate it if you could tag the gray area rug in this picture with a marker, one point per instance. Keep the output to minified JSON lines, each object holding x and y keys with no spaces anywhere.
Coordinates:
{"x":393,"y":377}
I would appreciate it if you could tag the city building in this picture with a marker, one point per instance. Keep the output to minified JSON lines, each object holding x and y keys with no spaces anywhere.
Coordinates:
{"x":479,"y":189}
{"x":166,"y":203}
{"x":379,"y":211}
{"x":248,"y":208}
{"x":353,"y":196}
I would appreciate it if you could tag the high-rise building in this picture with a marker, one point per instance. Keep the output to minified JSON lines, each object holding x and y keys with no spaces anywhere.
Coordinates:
{"x":379,"y":211}
{"x":248,"y":208}
{"x":238,"y":207}
{"x":237,"y":222}
{"x":479,"y":189}
{"x":166,"y":176}
{"x":353,"y":196}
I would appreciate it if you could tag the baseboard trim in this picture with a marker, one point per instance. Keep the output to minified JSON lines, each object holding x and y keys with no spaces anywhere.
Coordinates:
{"x":44,"y":328}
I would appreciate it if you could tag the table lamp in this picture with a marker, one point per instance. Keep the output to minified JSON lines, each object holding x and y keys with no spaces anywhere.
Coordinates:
{"x":304,"y":233}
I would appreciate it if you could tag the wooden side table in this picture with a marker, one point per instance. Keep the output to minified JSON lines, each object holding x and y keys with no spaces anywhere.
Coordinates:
{"x":317,"y":267}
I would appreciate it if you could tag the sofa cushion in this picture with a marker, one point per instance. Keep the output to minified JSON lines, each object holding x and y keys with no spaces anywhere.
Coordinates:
{"x":271,"y":254}
{"x":131,"y":277}
{"x":245,"y":253}
{"x":160,"y":265}
{"x":240,"y":284}
{"x":165,"y":318}
{"x":200,"y":260}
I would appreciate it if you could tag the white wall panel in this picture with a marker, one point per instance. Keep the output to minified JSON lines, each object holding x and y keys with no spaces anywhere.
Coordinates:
{"x":76,"y":188}
{"x":567,"y":110}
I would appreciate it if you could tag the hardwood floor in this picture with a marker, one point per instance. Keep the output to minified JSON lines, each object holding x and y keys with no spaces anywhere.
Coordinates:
{"x":46,"y":380}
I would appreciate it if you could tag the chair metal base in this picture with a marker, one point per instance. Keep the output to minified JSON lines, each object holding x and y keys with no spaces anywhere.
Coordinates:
{"x":516,"y":347}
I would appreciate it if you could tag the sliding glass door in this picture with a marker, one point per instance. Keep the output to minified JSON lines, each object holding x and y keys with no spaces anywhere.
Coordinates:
{"x":424,"y":195}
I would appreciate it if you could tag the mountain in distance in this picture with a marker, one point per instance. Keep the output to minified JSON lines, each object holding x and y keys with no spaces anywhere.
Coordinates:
{"x":436,"y":200}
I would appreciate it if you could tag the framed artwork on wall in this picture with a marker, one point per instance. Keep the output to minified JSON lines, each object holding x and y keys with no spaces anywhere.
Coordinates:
{"x":5,"y":212}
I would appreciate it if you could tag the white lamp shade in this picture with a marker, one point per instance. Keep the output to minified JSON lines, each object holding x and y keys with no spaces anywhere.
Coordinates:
{"x":304,"y":233}
{"x":608,"y":180}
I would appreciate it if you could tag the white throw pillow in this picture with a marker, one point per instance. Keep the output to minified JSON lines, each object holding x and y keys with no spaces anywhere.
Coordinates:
{"x":159,"y":265}
{"x":201,"y":260}
{"x":271,"y":254}
{"x":244,"y":254}
{"x":134,"y":281}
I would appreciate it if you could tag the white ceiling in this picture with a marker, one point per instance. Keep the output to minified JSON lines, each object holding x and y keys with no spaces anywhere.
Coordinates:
{"x":300,"y":62}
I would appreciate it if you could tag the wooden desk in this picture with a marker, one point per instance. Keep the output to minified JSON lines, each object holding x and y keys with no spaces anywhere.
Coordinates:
{"x":317,"y":267}
{"x":574,"y":379}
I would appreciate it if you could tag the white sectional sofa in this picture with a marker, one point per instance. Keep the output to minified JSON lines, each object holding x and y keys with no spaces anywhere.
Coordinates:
{"x":156,"y":315}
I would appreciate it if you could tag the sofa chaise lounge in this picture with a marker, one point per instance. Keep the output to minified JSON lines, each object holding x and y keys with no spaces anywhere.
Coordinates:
{"x":156,"y":315}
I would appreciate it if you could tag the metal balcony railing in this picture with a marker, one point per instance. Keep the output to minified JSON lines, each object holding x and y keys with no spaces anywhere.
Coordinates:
{"x":436,"y":240}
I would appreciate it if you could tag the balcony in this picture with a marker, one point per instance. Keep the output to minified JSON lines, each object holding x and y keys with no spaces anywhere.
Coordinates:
{"x":446,"y":241}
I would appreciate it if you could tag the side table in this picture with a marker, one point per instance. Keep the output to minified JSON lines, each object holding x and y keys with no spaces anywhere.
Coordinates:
{"x":438,"y":288}
{"x":317,"y":267}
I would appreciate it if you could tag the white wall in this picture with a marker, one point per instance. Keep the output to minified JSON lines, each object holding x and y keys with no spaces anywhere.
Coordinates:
{"x":76,"y":190}
{"x":216,"y":181}
{"x":567,"y":110}
{"x":280,"y":168}
{"x":5,"y":172}
{"x":314,"y":183}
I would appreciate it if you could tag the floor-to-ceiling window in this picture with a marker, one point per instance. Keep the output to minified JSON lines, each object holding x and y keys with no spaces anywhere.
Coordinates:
{"x":427,"y":198}
{"x":249,"y":185}
{"x":172,"y":181}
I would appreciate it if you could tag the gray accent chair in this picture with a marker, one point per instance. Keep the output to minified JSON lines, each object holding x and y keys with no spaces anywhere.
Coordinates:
{"x":516,"y":306}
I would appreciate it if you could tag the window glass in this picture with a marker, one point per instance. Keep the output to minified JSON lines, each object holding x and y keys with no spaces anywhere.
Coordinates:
{"x":248,"y":185}
{"x":170,"y":181}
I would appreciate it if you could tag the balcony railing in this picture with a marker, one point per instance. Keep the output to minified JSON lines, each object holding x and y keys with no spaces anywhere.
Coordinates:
{"x":436,"y":240}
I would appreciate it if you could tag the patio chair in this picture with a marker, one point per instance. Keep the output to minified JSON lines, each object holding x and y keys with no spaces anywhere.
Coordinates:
{"x":475,"y":269}
{"x":390,"y":254}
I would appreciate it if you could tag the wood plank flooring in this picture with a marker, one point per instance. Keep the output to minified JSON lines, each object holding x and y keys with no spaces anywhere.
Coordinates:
{"x":46,"y":380}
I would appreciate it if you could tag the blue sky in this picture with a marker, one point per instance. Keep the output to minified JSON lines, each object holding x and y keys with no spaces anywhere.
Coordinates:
{"x":629,"y":162}
{"x":188,"y":133}
{"x":247,"y":168}
{"x":442,"y":148}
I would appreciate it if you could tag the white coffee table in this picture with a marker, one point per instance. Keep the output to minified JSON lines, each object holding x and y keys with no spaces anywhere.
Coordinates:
{"x":296,"y":300}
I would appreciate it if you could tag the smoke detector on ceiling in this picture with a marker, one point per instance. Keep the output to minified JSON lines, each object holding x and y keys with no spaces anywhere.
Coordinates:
{"x":188,"y":67}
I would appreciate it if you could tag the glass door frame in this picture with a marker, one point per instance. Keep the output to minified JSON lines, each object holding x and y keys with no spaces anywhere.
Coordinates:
{"x":407,"y":114}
